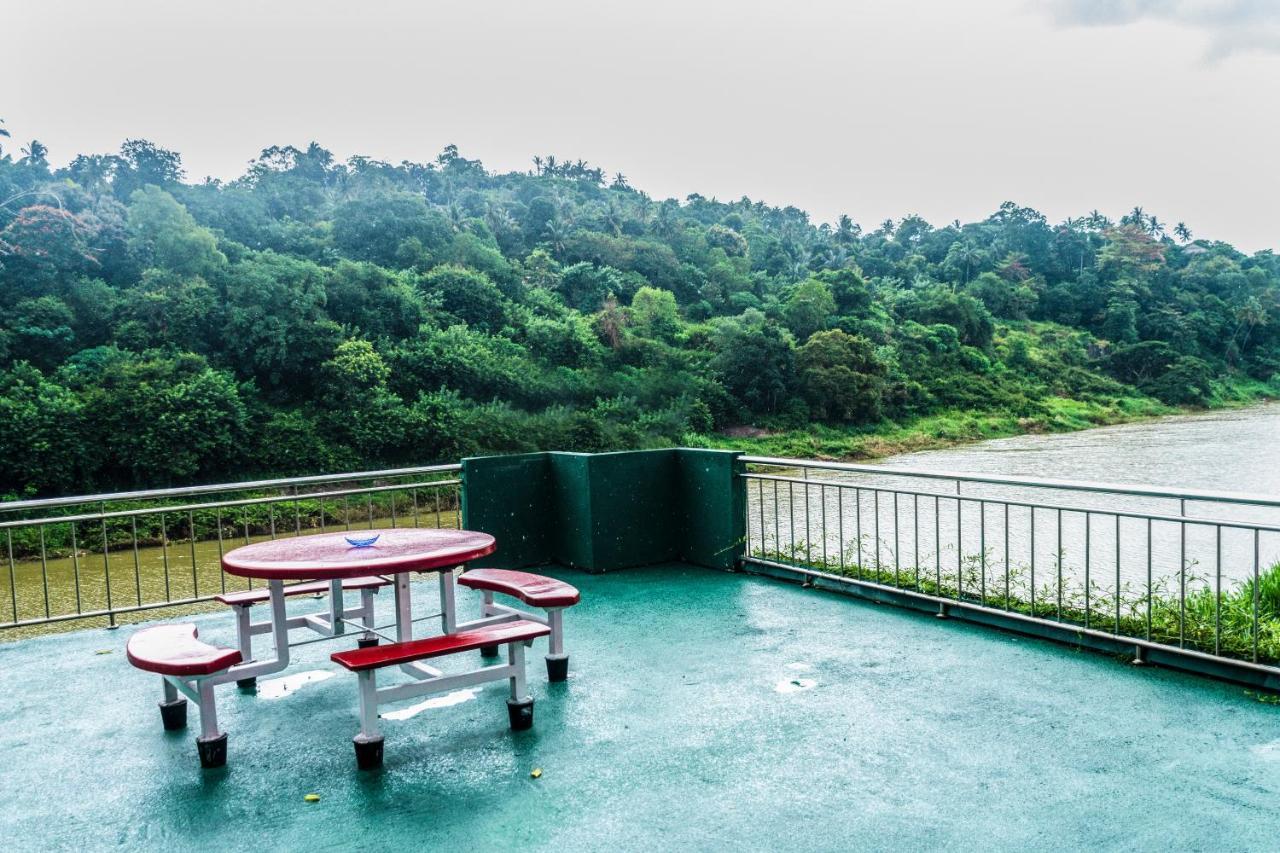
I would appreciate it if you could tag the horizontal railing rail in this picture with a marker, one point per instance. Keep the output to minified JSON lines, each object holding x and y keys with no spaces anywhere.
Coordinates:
{"x":108,"y":555}
{"x":216,"y":488}
{"x":1206,"y":585}
{"x":1084,"y":486}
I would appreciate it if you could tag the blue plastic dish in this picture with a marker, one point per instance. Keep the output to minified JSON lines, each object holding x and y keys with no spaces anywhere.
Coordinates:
{"x":361,"y":542}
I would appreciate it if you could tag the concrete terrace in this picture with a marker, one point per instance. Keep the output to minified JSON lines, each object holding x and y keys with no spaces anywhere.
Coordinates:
{"x":705,"y":710}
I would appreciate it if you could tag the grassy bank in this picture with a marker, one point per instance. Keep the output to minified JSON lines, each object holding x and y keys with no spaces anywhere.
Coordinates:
{"x":1054,"y":415}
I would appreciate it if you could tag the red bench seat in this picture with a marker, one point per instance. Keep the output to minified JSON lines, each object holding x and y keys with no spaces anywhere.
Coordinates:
{"x":258,"y":596}
{"x":375,"y":657}
{"x":174,"y":650}
{"x":535,"y":590}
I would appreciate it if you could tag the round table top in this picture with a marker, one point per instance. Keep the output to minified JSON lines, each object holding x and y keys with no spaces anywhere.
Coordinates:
{"x":328,"y":556}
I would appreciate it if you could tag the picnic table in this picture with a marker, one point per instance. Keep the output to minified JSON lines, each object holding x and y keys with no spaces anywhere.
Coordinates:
{"x":362,"y":561}
{"x":331,"y":557}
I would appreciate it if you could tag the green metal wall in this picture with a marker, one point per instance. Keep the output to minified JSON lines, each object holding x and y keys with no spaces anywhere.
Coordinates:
{"x":606,"y":511}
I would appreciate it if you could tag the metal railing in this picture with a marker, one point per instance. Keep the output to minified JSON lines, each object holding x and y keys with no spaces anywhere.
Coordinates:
{"x":101,"y":557}
{"x":1192,"y":572}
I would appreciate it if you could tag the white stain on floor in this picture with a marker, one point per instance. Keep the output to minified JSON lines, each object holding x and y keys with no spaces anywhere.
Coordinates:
{"x":457,"y":697}
{"x":1269,"y":750}
{"x":279,"y":688}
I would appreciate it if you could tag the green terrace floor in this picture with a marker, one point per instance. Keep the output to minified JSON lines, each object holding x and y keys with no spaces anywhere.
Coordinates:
{"x":705,"y":710}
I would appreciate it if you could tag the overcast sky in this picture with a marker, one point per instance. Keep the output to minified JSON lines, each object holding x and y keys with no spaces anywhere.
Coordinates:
{"x":944,"y":108}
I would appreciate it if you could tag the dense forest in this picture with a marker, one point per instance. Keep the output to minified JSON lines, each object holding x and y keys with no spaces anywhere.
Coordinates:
{"x":316,"y":315}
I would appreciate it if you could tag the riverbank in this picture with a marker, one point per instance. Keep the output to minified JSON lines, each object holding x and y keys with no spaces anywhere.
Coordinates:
{"x":951,"y":429}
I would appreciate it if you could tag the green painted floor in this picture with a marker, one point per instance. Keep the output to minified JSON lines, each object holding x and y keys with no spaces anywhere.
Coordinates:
{"x":705,"y":711}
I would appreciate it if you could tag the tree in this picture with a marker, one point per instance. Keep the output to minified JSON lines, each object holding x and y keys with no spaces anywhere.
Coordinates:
{"x":755,"y":361}
{"x":467,"y":295}
{"x":164,"y":234}
{"x":841,"y":377}
{"x":809,"y":307}
{"x":654,"y":312}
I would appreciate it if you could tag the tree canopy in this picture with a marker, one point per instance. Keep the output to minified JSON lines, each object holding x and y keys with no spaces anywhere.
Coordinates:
{"x":315,"y":314}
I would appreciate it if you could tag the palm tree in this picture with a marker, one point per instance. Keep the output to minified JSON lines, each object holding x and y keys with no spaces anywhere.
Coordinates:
{"x":3,"y":133}
{"x":537,"y":165}
{"x":1155,"y":226}
{"x":847,"y":230}
{"x":1137,"y":217}
{"x":1182,"y":232}
{"x":1097,"y":221}
{"x":35,"y":152}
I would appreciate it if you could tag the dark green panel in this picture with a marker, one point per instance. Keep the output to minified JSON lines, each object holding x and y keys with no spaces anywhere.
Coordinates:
{"x":712,"y":507}
{"x":568,"y":505}
{"x":606,"y":511}
{"x":633,"y":498}
{"x":509,"y":498}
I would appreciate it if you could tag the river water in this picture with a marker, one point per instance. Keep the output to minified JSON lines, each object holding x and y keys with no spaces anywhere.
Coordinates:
{"x":910,"y":523}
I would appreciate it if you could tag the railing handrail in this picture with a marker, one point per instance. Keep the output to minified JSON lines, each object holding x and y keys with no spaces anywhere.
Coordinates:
{"x":216,"y":488}
{"x":1135,"y":490}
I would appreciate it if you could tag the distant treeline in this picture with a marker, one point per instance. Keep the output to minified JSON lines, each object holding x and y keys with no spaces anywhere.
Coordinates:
{"x":316,"y":316}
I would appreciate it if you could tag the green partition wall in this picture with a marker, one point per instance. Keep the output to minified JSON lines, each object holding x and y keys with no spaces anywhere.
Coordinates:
{"x":605,"y":511}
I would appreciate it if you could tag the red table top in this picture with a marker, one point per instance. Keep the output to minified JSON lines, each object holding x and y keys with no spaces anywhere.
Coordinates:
{"x":328,"y":556}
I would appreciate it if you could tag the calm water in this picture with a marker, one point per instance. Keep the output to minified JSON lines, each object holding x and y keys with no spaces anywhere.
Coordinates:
{"x":1236,"y":450}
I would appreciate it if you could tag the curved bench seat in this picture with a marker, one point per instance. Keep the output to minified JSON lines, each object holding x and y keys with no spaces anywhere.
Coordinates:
{"x":261,"y":595}
{"x":535,"y":590}
{"x":175,"y":650}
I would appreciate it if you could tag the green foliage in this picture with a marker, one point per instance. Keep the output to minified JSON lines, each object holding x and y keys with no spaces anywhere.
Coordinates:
{"x":315,"y":315}
{"x":841,"y":377}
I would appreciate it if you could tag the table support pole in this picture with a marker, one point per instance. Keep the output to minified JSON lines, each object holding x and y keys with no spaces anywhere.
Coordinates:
{"x":337,"y":608}
{"x":404,"y":609}
{"x":448,"y":603}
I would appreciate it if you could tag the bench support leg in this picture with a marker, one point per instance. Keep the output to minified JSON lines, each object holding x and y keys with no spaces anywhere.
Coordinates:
{"x":368,"y":742}
{"x":557,"y":658}
{"x":244,"y":641}
{"x":366,"y":619}
{"x":173,"y":710}
{"x":212,"y":744}
{"x":520,"y":705}
{"x":486,"y":609}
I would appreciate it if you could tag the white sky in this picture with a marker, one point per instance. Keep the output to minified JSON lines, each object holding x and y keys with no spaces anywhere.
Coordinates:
{"x":944,"y":108}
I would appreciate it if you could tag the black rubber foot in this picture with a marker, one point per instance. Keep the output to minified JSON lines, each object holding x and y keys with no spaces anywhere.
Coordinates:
{"x":489,"y":651}
{"x":248,"y":683}
{"x":368,"y":753}
{"x":213,"y":752}
{"x":520,"y":714}
{"x":557,"y":669}
{"x":366,"y":642}
{"x":174,"y":715}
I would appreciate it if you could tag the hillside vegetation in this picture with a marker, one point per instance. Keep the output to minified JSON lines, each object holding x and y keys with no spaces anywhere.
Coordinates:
{"x":315,"y":315}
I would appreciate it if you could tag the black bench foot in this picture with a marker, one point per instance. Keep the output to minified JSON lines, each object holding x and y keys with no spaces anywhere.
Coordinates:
{"x":366,"y":642}
{"x":368,"y":753}
{"x":557,"y":668}
{"x":520,"y":714}
{"x":173,"y":715}
{"x":489,"y":651}
{"x":248,"y":683}
{"x":213,"y":751}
